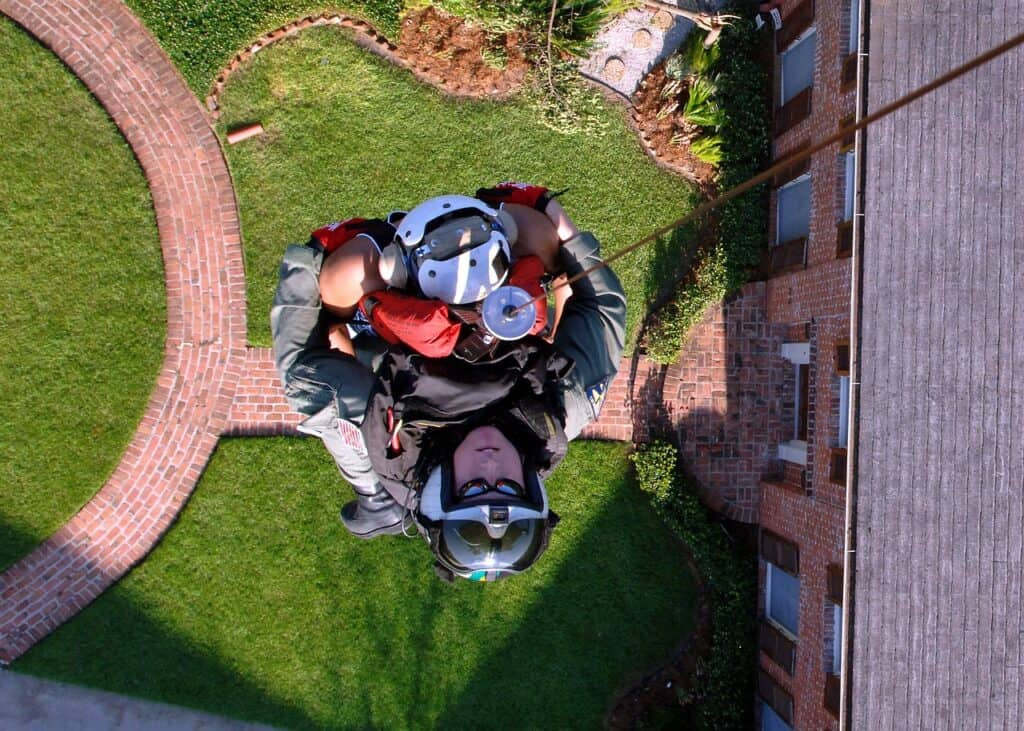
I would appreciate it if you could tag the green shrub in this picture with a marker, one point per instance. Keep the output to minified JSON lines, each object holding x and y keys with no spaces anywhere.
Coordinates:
{"x":725,"y":685}
{"x":743,"y":150}
{"x":702,"y":107}
{"x":694,"y":58}
{"x":708,"y":148}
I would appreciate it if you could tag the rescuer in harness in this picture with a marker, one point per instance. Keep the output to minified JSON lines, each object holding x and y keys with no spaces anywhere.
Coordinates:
{"x":412,"y":346}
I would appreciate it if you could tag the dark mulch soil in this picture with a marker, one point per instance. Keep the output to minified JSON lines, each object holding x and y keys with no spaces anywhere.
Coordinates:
{"x":463,"y":57}
{"x":658,"y":133}
{"x":659,"y":699}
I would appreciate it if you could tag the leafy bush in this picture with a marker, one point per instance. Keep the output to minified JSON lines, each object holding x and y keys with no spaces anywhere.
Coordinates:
{"x":708,"y":148}
{"x":701,"y":106}
{"x":693,"y":58}
{"x":743,"y":149}
{"x":725,"y":678}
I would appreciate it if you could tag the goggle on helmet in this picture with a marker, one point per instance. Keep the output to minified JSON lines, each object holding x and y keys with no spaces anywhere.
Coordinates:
{"x":486,"y":540}
{"x":453,"y":248}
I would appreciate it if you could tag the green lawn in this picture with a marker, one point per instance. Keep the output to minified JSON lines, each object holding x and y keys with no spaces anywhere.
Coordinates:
{"x":81,"y":283}
{"x":348,"y":134}
{"x":260,"y":606}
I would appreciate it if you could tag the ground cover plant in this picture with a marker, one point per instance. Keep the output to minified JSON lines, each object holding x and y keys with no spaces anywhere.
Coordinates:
{"x":743,"y":146}
{"x":259,"y":605}
{"x":348,"y":134}
{"x":721,"y":698}
{"x":81,"y":282}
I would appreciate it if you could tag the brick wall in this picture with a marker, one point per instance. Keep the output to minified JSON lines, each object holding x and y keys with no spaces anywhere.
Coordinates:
{"x":812,"y":304}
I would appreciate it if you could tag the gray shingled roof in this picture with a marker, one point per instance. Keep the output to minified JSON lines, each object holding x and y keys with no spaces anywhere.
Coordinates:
{"x":938,"y":630}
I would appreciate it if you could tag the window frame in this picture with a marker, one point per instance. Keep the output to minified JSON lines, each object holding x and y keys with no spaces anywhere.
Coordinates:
{"x":791,"y":633}
{"x":837,"y":639}
{"x":852,"y":36}
{"x":799,"y":355}
{"x":849,"y":184}
{"x":802,"y":38}
{"x":798,"y":180}
{"x":843,"y":432}
{"x":779,"y":721}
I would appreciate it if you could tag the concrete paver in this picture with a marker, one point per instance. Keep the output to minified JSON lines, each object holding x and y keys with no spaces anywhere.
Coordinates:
{"x":32,"y":704}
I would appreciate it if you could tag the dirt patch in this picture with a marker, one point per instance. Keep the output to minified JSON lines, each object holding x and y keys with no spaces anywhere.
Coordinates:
{"x":462,"y":57}
{"x":659,"y":126}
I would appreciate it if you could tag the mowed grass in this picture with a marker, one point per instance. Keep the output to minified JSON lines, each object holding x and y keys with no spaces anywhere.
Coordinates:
{"x":347,"y":134}
{"x":259,"y":605}
{"x":81,"y":283}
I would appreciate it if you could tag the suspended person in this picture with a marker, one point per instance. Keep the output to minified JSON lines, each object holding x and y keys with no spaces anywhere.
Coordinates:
{"x":455,"y":446}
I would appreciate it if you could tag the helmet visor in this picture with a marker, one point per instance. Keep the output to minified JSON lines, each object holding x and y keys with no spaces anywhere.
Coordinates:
{"x":470,"y":545}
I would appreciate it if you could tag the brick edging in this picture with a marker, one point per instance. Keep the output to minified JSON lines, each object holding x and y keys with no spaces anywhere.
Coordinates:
{"x":366,"y":36}
{"x":197,"y":218}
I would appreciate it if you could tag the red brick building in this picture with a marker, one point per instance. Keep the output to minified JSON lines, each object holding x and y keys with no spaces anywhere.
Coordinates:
{"x":803,"y":496}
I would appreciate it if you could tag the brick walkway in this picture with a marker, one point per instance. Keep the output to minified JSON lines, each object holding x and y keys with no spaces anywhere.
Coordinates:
{"x":211,"y":384}
{"x":197,"y":217}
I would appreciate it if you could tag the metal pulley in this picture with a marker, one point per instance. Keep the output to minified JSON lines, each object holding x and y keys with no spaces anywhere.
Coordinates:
{"x":509,"y":313}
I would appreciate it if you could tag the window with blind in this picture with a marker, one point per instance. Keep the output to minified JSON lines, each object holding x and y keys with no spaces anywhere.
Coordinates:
{"x":772,"y":721}
{"x":834,"y":646}
{"x":782,"y":582}
{"x":853,"y":35}
{"x":849,"y":61}
{"x":844,"y":409}
{"x":793,"y":224}
{"x":777,"y":646}
{"x":795,"y":449}
{"x":798,"y":67}
{"x":794,"y":210}
{"x":849,"y":162}
{"x":778,"y":704}
{"x":796,"y":41}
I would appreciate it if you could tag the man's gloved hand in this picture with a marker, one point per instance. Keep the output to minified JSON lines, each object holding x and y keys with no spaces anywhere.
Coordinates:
{"x":524,"y":194}
{"x":423,"y":325}
{"x":332,"y":236}
{"x":528,"y":274}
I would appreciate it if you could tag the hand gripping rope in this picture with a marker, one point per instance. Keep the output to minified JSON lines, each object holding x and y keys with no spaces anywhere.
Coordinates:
{"x":788,"y":162}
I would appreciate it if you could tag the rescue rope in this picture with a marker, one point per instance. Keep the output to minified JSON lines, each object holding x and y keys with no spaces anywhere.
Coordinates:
{"x":791,"y":159}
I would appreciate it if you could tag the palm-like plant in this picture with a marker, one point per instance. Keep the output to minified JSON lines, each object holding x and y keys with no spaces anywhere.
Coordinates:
{"x":708,"y":148}
{"x":701,"y":109}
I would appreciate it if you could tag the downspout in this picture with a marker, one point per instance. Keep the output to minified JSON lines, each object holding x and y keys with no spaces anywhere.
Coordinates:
{"x":856,"y":299}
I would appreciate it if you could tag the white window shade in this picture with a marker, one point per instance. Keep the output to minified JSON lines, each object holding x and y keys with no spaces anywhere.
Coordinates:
{"x":782,"y":602}
{"x":798,"y":66}
{"x":844,"y":408}
{"x":837,"y":640}
{"x":854,"y":26}
{"x":848,"y":169}
{"x":794,"y":210}
{"x":771,"y":721}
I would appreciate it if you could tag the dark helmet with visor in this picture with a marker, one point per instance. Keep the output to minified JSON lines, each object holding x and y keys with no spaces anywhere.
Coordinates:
{"x":485,"y":532}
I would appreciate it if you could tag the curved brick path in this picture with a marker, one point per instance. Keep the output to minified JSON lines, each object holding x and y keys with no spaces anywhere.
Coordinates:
{"x":196,"y":213}
{"x":211,"y":384}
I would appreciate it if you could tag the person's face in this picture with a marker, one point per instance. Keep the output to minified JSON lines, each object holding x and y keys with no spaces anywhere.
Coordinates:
{"x":486,"y":454}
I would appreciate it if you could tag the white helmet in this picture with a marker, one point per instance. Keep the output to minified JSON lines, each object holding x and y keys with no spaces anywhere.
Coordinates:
{"x":492,"y":538}
{"x":453,"y":248}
